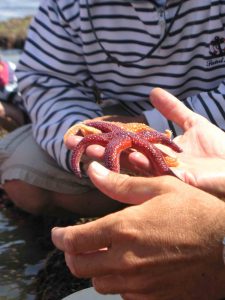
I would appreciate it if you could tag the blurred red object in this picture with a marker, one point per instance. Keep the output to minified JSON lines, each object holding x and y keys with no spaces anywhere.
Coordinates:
{"x":4,"y":73}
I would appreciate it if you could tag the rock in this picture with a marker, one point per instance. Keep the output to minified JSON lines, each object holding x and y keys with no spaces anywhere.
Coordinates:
{"x":13,"y":33}
{"x":55,"y":281}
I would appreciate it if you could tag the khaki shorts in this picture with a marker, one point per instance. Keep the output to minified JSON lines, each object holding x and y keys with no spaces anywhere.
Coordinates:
{"x":21,"y":158}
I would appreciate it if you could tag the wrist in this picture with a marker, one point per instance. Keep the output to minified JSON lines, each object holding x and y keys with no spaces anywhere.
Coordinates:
{"x":219,"y":275}
{"x":220,"y":236}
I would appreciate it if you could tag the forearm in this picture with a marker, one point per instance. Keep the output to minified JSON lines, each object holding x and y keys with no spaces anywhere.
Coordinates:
{"x":217,"y":280}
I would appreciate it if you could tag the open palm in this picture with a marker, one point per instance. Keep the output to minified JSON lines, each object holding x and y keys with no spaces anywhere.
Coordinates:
{"x":202,"y":162}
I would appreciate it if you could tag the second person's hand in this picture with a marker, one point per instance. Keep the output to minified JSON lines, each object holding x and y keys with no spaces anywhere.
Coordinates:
{"x":173,"y":241}
{"x":202,"y":162}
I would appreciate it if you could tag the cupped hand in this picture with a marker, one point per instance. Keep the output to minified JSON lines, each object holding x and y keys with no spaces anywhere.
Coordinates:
{"x":166,"y":248}
{"x":72,"y":140}
{"x":202,"y":162}
{"x":96,"y":152}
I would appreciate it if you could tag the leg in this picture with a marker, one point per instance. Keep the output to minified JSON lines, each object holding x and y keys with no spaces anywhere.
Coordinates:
{"x":27,"y":197}
{"x":40,"y":186}
{"x":37,"y":201}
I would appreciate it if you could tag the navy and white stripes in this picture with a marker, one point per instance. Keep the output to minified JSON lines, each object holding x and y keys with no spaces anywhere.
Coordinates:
{"x":73,"y":49}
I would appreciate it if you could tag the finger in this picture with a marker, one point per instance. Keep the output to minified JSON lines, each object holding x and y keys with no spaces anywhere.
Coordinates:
{"x":72,"y":141}
{"x":132,"y":190}
{"x":90,"y":264}
{"x":113,"y":284}
{"x":125,"y":283}
{"x":134,"y":162}
{"x":131,"y":296}
{"x":130,"y":161}
{"x":83,"y":238}
{"x":95,"y":152}
{"x":172,"y":108}
{"x":140,"y":162}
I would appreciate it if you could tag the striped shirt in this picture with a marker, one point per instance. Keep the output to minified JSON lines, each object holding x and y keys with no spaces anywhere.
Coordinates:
{"x":123,"y":49}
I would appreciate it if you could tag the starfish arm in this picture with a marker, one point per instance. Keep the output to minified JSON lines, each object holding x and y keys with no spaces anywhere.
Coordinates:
{"x":159,"y":166}
{"x":80,"y":127}
{"x":104,"y":126}
{"x":159,"y":138}
{"x":113,"y":151}
{"x":134,"y":127}
{"x":79,"y":150}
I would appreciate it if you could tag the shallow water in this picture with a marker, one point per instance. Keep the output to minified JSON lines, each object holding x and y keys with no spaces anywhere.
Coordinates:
{"x":10,"y":55}
{"x":21,"y":255}
{"x":17,"y":8}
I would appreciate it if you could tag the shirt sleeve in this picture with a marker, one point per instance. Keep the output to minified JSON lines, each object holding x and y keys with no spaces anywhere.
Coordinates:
{"x":53,"y":79}
{"x":210,"y":104}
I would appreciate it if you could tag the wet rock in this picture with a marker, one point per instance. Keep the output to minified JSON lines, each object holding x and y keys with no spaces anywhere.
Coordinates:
{"x":55,"y":281}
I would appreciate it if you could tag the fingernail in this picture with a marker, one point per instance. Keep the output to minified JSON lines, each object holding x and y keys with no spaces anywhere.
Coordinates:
{"x":55,"y":228}
{"x":99,"y":169}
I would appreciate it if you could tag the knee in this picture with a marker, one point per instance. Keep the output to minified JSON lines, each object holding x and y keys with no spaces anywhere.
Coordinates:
{"x":27,"y":197}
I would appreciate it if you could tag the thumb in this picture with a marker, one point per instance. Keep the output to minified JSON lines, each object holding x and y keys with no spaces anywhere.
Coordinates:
{"x":172,"y":108}
{"x":124,"y":188}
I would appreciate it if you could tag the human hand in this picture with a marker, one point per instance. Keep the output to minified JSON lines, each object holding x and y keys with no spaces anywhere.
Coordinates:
{"x":203,"y":147}
{"x":202,"y":162}
{"x":72,"y":140}
{"x":166,"y":248}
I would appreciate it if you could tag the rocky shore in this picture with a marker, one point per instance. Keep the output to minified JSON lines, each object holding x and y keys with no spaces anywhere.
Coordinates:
{"x":13,"y":33}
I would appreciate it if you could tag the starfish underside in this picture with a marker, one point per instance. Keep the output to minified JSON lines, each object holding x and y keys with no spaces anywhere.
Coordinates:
{"x":117,"y":137}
